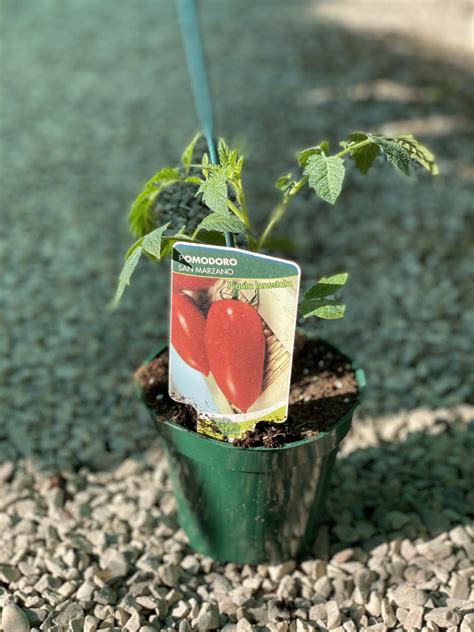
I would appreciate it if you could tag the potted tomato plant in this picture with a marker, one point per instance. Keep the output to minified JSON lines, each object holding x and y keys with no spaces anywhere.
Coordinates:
{"x":257,"y":497}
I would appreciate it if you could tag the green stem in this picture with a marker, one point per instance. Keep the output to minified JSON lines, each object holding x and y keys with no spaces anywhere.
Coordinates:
{"x":347,"y":150}
{"x":239,"y":189}
{"x":275,"y":217}
{"x":299,"y":185}
{"x":280,"y":210}
{"x":242,"y":214}
{"x":236,"y":211}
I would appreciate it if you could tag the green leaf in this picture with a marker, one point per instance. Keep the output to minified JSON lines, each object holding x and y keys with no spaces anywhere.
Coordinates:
{"x":418,"y":152}
{"x":212,"y":237}
{"x":322,"y":148}
{"x":140,"y":218}
{"x":325,"y":176}
{"x":214,"y":191}
{"x":193,"y":180}
{"x":187,"y":156}
{"x":364,"y":156}
{"x":167,"y":242}
{"x":322,"y":308}
{"x":285,"y":183}
{"x":127,"y":271}
{"x":229,"y":160}
{"x":327,"y":286}
{"x":164,"y":176}
{"x":223,"y":152}
{"x":133,"y":247}
{"x":222,"y":223}
{"x":152,"y":241}
{"x":355,"y":137}
{"x":394,"y":152}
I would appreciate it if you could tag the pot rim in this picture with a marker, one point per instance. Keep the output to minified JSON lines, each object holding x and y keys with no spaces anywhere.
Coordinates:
{"x":361,"y":383}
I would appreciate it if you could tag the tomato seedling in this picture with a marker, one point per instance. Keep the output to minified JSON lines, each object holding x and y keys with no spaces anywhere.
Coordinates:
{"x":220,"y":188}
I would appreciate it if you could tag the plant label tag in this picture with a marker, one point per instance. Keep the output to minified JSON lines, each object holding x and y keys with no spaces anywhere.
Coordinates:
{"x":232,"y":330}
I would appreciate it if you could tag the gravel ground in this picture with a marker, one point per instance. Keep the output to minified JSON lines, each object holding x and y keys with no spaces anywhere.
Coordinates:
{"x":94,"y":97}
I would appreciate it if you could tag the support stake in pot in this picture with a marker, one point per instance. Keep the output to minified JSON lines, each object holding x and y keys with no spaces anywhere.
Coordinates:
{"x":199,"y":79}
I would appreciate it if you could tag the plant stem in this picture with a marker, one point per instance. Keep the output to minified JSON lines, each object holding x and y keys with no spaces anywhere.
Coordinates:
{"x":239,"y":189}
{"x":347,"y":150}
{"x":299,"y":185}
{"x":242,"y":212}
{"x":236,"y":211}
{"x":277,"y":213}
{"x":281,"y":207}
{"x":280,"y":210}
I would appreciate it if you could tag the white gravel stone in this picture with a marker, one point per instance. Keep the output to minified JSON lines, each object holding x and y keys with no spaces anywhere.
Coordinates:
{"x":67,"y":589}
{"x":287,"y":588}
{"x":406,"y":596}
{"x":414,"y":618}
{"x":374,"y":604}
{"x":14,"y":619}
{"x":318,"y":612}
{"x":190,"y":564}
{"x":243,"y":625}
{"x":460,"y":536}
{"x":407,"y":550}
{"x":114,"y":563}
{"x":170,"y":574}
{"x":323,"y":587}
{"x":91,"y":623}
{"x":280,"y":570}
{"x":208,"y":618}
{"x":459,"y":587}
{"x":133,"y":624}
{"x":333,"y":615}
{"x":180,"y":610}
{"x":85,"y":591}
{"x":148,"y":603}
{"x":388,"y":615}
{"x":72,"y":612}
{"x":444,"y":617}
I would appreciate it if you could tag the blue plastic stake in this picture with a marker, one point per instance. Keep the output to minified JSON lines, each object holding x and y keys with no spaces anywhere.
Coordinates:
{"x":199,"y":81}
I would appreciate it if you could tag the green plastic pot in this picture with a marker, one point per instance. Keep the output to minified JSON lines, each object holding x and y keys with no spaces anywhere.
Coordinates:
{"x":251,"y":505}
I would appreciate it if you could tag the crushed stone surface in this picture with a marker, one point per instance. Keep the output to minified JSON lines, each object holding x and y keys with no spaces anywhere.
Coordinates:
{"x":94,"y":98}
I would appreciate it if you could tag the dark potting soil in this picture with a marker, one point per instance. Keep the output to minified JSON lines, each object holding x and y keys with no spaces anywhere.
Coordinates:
{"x":323,"y":389}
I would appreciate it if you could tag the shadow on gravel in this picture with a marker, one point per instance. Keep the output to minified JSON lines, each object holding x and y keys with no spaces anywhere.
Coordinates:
{"x":418,"y":488}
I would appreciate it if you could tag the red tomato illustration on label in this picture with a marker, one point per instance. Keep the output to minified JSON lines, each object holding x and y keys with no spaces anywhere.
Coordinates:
{"x":235,"y":347}
{"x":188,"y":327}
{"x":190,"y":282}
